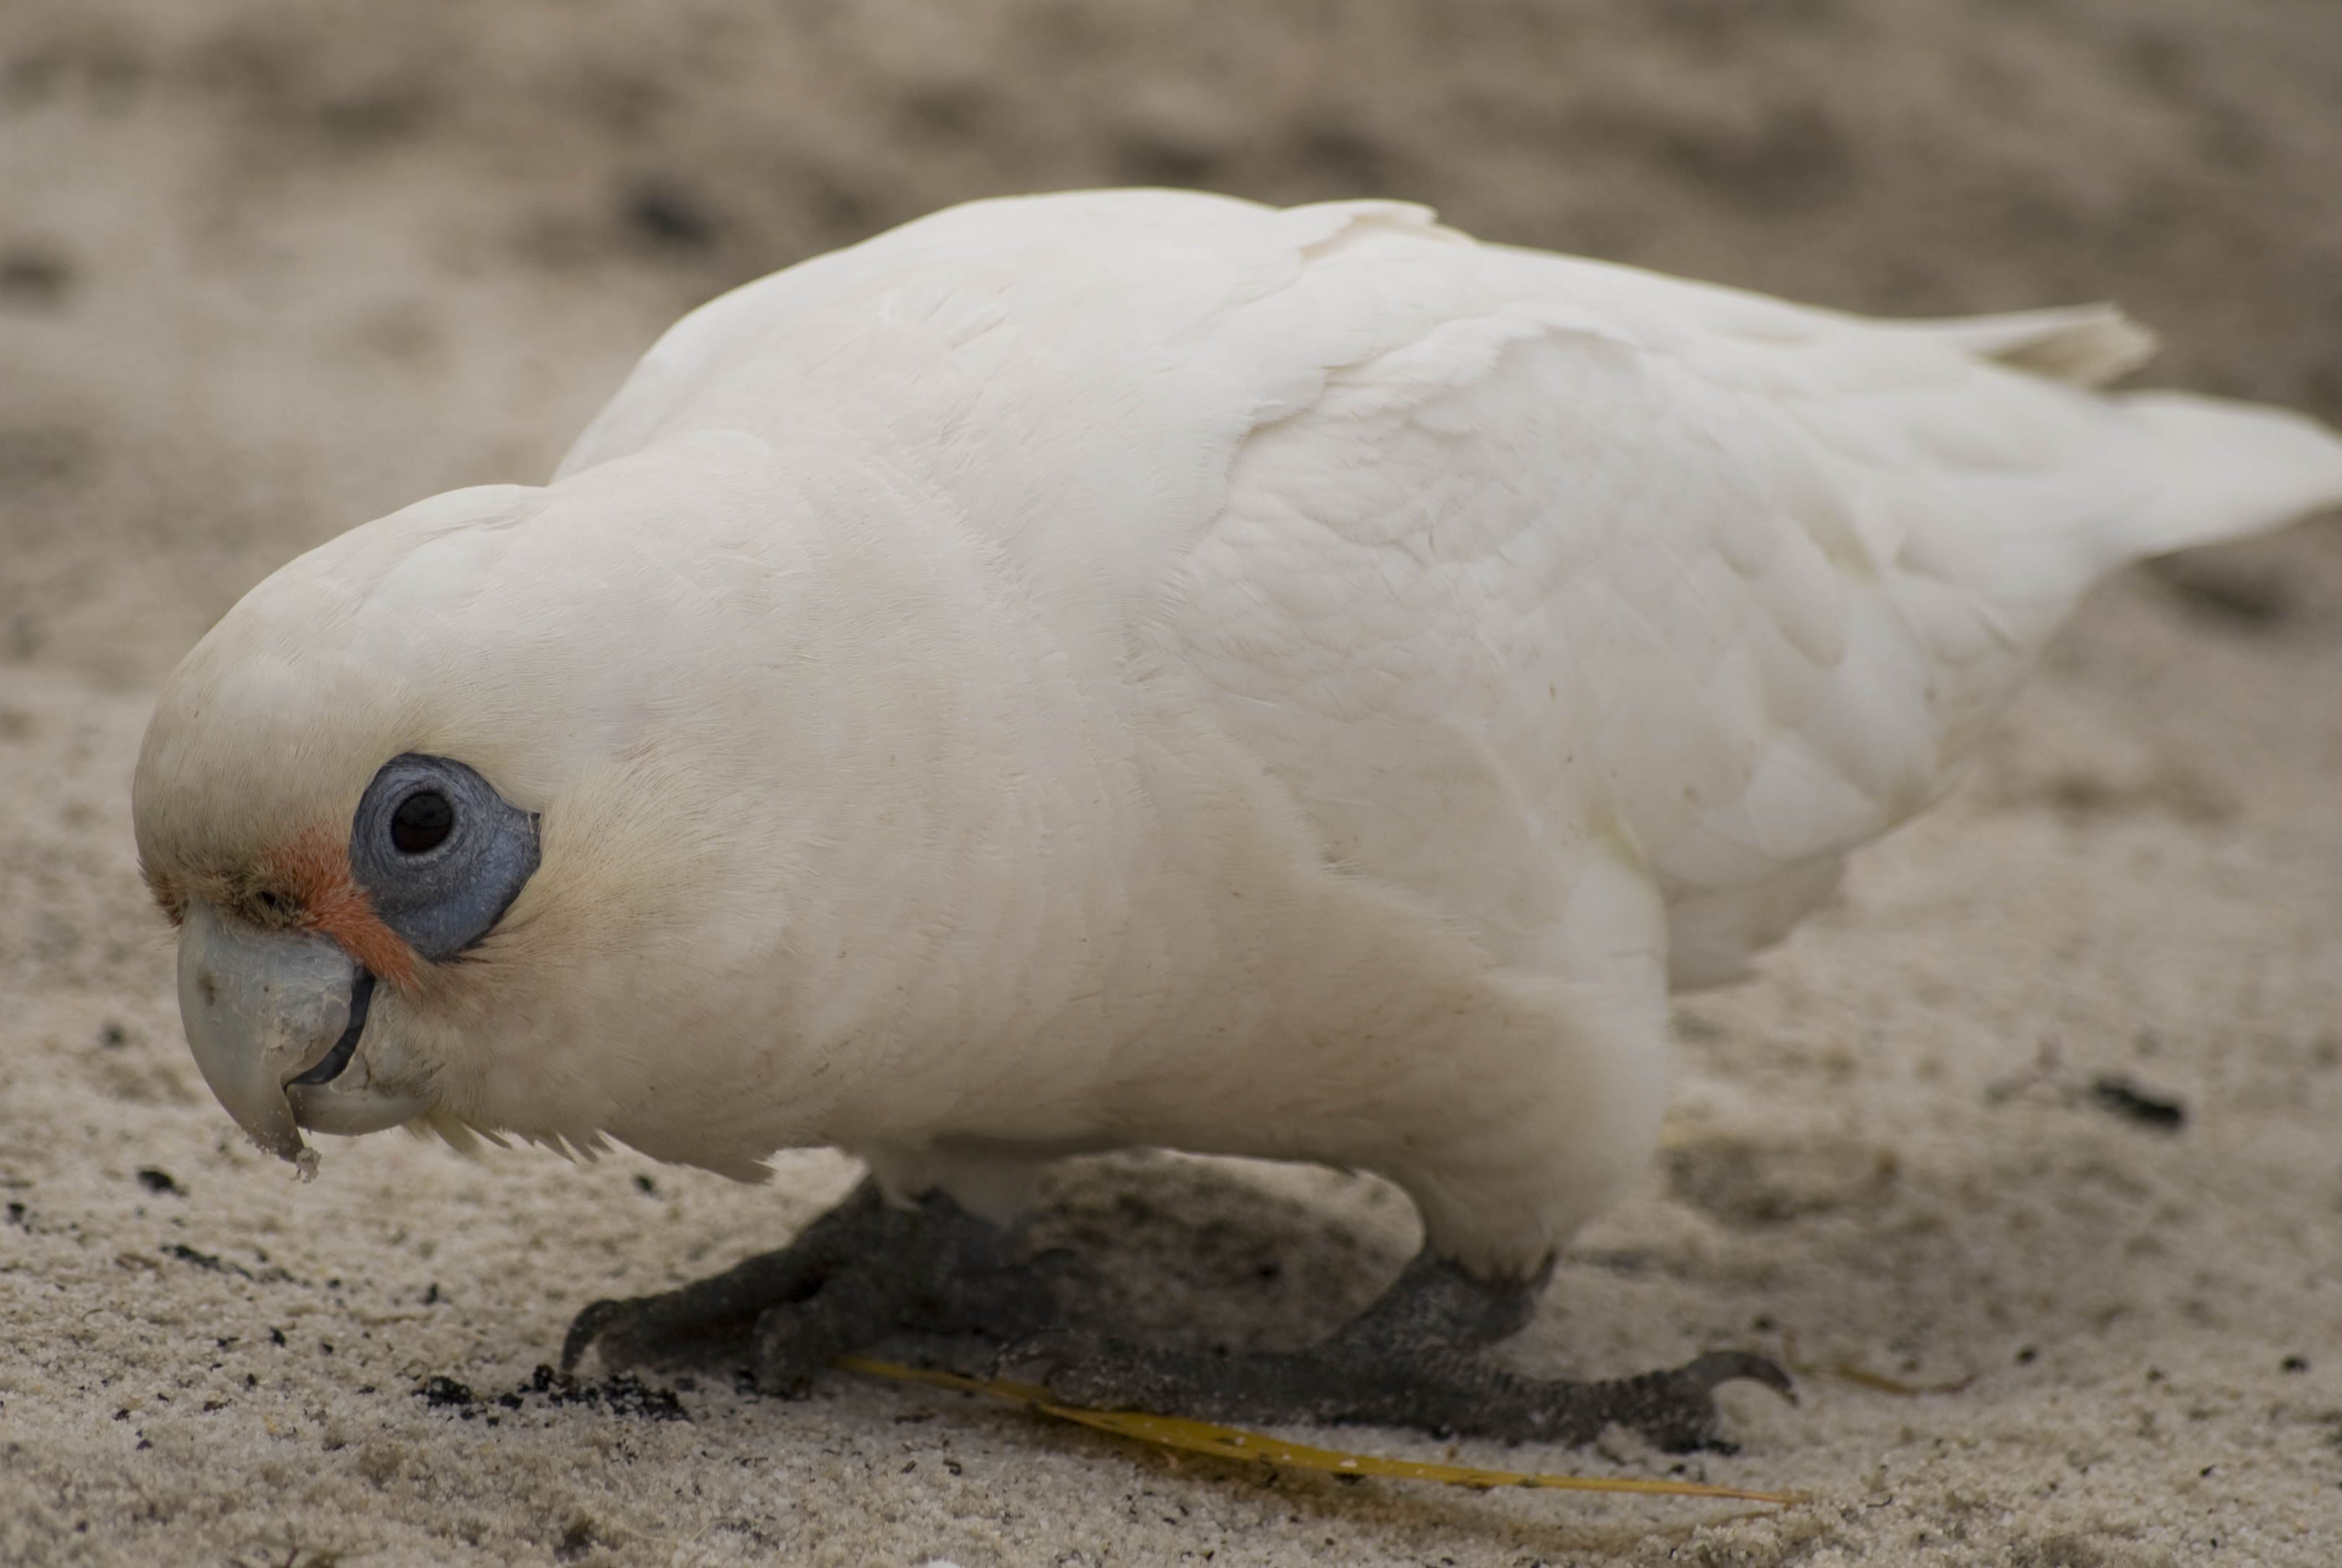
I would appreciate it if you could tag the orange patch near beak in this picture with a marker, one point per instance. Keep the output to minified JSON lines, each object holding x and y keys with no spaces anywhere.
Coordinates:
{"x":315,"y":868}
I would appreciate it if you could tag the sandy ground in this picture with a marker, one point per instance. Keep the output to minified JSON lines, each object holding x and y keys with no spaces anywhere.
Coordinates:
{"x":270,"y":268}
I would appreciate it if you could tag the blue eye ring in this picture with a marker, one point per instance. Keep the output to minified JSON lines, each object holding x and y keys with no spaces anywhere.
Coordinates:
{"x":440,"y":854}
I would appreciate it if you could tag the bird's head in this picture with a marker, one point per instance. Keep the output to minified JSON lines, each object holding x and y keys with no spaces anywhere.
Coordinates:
{"x":329,"y":833}
{"x":579,"y":811}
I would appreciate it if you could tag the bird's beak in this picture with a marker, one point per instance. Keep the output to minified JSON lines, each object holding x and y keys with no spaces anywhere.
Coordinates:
{"x":261,"y":1009}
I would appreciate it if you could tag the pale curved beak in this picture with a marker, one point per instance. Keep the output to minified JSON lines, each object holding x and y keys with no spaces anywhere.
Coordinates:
{"x":261,"y":1008}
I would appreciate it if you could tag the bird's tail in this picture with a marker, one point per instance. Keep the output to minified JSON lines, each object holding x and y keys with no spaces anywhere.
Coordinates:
{"x":2223,"y":470}
{"x":2226,"y":470}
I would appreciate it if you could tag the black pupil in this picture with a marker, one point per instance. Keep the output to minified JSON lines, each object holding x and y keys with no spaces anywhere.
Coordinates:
{"x":422,"y":822}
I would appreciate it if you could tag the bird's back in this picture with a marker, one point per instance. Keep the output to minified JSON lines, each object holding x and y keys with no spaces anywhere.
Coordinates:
{"x":1498,"y":560}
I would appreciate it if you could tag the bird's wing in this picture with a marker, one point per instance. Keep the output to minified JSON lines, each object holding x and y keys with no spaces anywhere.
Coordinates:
{"x":1589,"y":555}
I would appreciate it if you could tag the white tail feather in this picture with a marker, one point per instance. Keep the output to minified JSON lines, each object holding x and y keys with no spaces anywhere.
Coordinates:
{"x":2228,"y":470}
{"x":2086,"y":344}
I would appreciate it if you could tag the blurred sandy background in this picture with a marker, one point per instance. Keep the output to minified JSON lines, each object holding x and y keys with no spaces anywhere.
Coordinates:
{"x":271,"y":267}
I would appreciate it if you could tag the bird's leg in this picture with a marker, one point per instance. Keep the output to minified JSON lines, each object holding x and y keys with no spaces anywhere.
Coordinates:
{"x":859,"y":1273}
{"x":1412,"y":1358}
{"x":866,"y":1270}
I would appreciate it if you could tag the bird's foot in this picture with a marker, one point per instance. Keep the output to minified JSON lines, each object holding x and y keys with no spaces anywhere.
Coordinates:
{"x":1410,"y":1360}
{"x":861,"y":1272}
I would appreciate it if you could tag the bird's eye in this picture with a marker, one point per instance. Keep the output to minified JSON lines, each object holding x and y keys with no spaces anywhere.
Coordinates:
{"x":421,"y":822}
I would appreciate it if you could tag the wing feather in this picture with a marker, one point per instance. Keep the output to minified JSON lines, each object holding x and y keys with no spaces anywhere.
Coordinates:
{"x":1596,"y":550}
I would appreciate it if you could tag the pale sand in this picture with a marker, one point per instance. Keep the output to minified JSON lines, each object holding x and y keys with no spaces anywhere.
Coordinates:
{"x":267,"y":269}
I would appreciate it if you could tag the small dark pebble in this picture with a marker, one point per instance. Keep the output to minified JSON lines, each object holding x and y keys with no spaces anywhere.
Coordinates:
{"x":276,"y":1337}
{"x":645,"y":1186}
{"x":577,"y":1540}
{"x":188,"y":1255}
{"x":2027,"y":1356}
{"x":16,"y":1216}
{"x":30,"y":280}
{"x":438,"y":1391}
{"x":2293,"y":1363}
{"x":156,"y":1180}
{"x":113,"y":1034}
{"x":623,"y":1394}
{"x":664,"y":212}
{"x":2120,"y":1096}
{"x":432,"y":1296}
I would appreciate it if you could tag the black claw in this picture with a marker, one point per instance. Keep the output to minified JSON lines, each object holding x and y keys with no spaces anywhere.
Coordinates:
{"x":1722,"y":1366}
{"x":584,"y":1329}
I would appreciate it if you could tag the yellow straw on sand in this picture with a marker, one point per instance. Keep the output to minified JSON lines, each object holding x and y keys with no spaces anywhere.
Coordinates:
{"x":1234,"y":1442}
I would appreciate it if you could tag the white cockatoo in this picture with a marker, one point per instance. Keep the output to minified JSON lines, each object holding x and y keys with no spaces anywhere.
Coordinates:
{"x":1145,"y":668}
